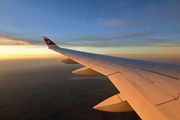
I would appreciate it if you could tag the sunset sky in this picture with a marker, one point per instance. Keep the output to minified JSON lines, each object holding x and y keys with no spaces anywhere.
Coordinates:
{"x":100,"y":26}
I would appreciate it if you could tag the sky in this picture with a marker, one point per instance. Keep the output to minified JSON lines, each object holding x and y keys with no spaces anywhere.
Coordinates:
{"x":99,"y":26}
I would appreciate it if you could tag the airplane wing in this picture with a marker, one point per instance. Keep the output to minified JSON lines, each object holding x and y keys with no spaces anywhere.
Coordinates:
{"x":149,"y":88}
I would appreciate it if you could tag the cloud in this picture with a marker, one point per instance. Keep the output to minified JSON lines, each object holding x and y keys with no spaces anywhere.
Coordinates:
{"x":9,"y":41}
{"x":12,"y":38}
{"x":145,"y":38}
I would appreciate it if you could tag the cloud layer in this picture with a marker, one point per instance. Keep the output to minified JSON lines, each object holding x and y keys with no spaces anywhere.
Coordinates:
{"x":101,"y":24}
{"x":145,"y":38}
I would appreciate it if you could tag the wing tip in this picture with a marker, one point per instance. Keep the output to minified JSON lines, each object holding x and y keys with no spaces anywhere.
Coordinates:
{"x":48,"y":41}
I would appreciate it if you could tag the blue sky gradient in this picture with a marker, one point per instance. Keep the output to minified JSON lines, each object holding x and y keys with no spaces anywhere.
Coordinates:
{"x":92,"y":24}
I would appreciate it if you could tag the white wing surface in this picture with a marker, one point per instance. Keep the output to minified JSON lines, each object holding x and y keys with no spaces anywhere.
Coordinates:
{"x":149,"y":88}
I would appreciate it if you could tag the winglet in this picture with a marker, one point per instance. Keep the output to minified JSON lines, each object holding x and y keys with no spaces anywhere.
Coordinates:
{"x":50,"y":43}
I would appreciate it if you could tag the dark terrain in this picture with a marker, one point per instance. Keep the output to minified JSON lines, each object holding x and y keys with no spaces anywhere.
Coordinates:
{"x":46,"y":93}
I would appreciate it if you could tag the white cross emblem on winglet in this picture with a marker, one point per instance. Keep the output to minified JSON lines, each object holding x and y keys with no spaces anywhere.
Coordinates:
{"x":48,"y":41}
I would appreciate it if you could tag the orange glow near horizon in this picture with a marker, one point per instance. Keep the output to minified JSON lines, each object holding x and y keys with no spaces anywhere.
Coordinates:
{"x":19,"y":49}
{"x":26,"y":51}
{"x":39,"y":51}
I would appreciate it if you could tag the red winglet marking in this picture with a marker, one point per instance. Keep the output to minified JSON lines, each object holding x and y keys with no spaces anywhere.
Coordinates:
{"x":48,"y":41}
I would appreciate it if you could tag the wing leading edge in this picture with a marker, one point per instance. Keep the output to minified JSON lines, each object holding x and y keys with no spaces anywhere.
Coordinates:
{"x":149,"y":88}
